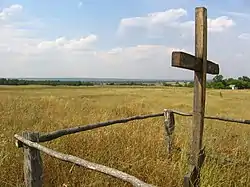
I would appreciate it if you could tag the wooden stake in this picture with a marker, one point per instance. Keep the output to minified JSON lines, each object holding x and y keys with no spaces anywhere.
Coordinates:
{"x":32,"y":162}
{"x":169,"y":124}
{"x":199,"y":88}
{"x":199,"y":82}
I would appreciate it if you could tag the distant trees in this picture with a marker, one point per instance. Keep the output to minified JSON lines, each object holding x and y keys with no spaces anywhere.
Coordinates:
{"x":166,"y":84}
{"x":4,"y":81}
{"x":16,"y":82}
{"x":131,"y":83}
{"x":218,"y":78}
{"x":218,"y":82}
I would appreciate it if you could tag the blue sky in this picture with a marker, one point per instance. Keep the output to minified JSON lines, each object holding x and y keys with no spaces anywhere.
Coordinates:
{"x":122,"y":39}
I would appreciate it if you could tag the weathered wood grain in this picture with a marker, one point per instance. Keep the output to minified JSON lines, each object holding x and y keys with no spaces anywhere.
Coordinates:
{"x":81,"y":162}
{"x":187,"y":61}
{"x":169,"y":124}
{"x":32,"y":162}
{"x":199,"y":83}
{"x":199,"y":90}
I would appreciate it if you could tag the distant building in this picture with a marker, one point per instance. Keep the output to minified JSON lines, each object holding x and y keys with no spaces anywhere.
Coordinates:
{"x":233,"y":87}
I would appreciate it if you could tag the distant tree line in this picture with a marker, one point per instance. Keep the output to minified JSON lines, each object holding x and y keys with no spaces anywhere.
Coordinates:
{"x":132,"y":83}
{"x":219,"y":82}
{"x":4,"y":81}
{"x":17,"y":82}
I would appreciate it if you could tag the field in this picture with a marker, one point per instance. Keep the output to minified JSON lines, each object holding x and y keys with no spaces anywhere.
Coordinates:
{"x":137,"y":148}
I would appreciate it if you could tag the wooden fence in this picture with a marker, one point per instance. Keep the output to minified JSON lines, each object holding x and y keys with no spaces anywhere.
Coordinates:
{"x":33,"y":162}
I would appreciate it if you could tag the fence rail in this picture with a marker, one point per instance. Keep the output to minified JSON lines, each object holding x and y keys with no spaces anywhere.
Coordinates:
{"x":84,"y":163}
{"x":63,"y":132}
{"x":59,"y":133}
{"x":32,"y":148}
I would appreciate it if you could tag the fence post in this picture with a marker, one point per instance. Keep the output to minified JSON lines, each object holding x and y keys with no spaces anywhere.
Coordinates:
{"x":32,"y":167}
{"x":169,"y":124}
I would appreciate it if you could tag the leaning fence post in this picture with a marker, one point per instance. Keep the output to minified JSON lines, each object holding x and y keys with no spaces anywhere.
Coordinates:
{"x":32,"y":162}
{"x":169,"y":124}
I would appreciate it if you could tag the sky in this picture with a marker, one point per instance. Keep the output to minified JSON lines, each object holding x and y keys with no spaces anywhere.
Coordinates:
{"x":118,"y":39}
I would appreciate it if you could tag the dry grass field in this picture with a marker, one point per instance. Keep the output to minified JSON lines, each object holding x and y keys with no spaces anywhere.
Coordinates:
{"x":136,"y":147}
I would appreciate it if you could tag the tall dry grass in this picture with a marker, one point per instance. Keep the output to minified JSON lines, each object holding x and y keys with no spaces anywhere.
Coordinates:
{"x":136,"y":147}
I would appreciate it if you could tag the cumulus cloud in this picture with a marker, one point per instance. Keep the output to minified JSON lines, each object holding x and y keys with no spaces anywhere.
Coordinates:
{"x":19,"y":37}
{"x":142,"y":51}
{"x":169,"y":19}
{"x":156,"y":20}
{"x":244,"y":36}
{"x":115,"y":50}
{"x":17,"y":34}
{"x":10,"y":11}
{"x":219,"y":24}
{"x":142,"y":61}
{"x":84,"y":43}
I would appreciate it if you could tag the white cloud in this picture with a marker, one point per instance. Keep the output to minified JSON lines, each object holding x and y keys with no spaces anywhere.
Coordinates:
{"x":173,"y":18}
{"x":154,"y":20}
{"x":140,"y":61}
{"x":19,"y":37}
{"x":84,"y":43}
{"x":115,"y":50}
{"x":17,"y":34}
{"x":142,"y":51}
{"x":10,"y":11}
{"x":219,"y":24}
{"x":244,"y":36}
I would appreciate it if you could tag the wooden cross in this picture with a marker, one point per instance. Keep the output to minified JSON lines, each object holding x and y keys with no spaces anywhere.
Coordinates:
{"x":201,"y":67}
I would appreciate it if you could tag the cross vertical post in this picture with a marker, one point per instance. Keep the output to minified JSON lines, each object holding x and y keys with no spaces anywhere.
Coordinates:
{"x":199,"y":90}
{"x":201,"y":66}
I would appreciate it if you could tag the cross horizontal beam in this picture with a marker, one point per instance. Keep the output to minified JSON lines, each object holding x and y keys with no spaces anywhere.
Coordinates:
{"x":187,"y":61}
